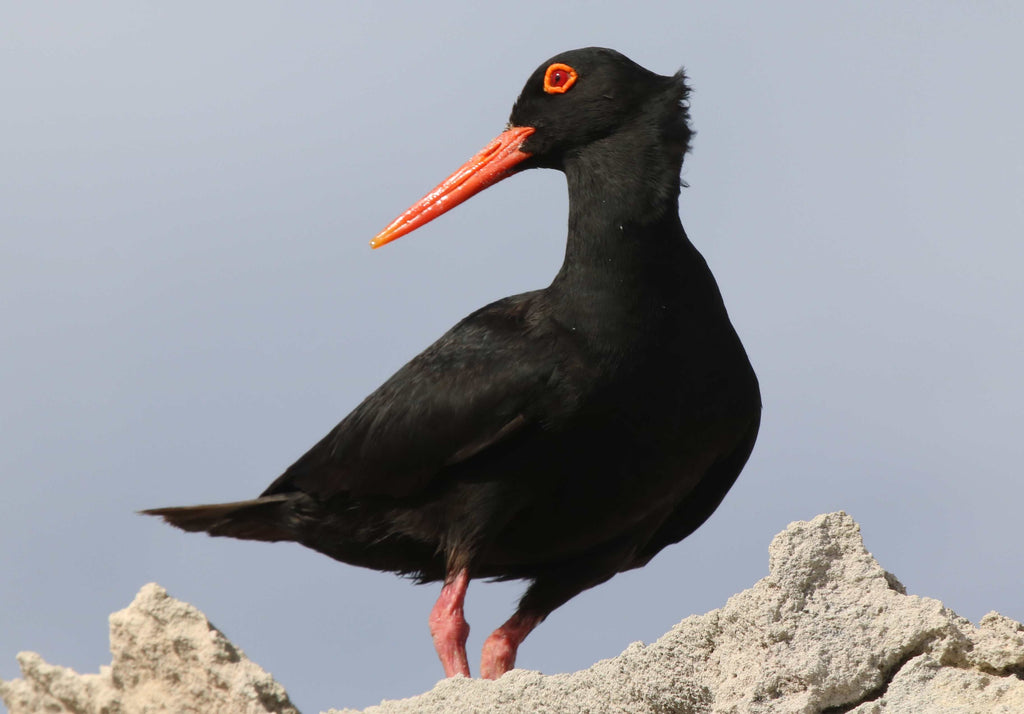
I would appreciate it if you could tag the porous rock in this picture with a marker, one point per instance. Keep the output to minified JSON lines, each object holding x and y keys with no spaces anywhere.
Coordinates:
{"x":167,"y":657}
{"x":827,"y":631}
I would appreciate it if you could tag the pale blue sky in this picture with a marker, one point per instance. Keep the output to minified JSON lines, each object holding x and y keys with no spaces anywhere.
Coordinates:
{"x":188,"y":302}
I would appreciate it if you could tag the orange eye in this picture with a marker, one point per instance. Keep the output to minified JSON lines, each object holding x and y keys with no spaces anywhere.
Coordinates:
{"x":558,"y":78}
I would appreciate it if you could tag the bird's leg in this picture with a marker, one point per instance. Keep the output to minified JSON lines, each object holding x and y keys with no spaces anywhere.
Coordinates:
{"x":448,"y":625}
{"x":499,"y":655}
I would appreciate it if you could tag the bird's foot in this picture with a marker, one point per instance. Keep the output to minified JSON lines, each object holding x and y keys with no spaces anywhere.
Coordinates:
{"x":449,"y":628}
{"x":499,"y":654}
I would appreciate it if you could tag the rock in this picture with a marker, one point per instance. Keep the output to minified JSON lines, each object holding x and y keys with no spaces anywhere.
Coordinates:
{"x":167,"y":657}
{"x":828,"y":630}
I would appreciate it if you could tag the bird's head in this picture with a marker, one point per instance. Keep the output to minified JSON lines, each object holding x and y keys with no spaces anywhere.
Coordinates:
{"x":576,"y":100}
{"x":585,"y":96}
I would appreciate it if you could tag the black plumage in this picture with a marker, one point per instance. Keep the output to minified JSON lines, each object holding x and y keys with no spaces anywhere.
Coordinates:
{"x":559,"y":436}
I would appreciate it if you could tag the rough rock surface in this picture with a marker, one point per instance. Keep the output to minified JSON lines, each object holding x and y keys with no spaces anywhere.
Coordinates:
{"x":827,"y":631}
{"x":167,"y":658}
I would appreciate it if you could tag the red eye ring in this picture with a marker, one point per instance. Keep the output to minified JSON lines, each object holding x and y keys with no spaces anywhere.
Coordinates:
{"x":558,"y":78}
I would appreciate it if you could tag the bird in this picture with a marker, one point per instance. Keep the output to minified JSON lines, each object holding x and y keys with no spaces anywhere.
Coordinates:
{"x":559,"y":436}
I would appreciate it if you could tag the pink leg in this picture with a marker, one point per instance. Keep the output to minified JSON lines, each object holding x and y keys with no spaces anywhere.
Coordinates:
{"x":499,"y":655}
{"x":449,"y":627}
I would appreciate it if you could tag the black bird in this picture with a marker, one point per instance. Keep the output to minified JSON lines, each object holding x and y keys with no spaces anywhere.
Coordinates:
{"x":558,"y":436}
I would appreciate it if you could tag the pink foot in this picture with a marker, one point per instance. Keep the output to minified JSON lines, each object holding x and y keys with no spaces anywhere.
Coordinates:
{"x":448,"y":626}
{"x":499,"y":655}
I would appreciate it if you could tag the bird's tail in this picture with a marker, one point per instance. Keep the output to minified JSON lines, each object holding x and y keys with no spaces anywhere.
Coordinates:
{"x":266,"y":518}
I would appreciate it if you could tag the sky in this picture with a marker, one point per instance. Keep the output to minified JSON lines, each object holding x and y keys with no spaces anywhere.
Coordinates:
{"x":188,"y":301}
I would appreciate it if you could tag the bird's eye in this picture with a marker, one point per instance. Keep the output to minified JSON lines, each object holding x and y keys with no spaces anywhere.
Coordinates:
{"x":558,"y":78}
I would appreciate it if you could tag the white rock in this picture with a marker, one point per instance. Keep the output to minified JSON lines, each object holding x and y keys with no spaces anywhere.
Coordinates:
{"x":827,"y":631}
{"x":167,"y":657}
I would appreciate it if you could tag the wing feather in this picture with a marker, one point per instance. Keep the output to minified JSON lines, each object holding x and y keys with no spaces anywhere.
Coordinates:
{"x":480,"y":384}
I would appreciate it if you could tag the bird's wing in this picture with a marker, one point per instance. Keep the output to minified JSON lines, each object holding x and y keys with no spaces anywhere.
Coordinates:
{"x":477,"y":386}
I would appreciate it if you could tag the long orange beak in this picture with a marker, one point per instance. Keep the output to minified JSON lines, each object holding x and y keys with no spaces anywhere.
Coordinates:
{"x":491,"y":165}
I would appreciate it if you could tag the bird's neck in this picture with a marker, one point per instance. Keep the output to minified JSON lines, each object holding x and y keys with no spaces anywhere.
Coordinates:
{"x":626,"y":248}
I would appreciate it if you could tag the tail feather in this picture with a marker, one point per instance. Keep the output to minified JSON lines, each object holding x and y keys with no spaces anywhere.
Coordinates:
{"x":266,"y":518}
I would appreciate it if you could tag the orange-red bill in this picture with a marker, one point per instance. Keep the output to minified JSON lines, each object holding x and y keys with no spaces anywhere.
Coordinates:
{"x":489,"y":166}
